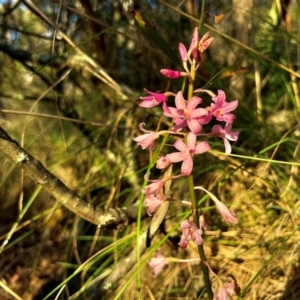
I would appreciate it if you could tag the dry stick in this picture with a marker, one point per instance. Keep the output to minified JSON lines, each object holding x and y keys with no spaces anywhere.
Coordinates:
{"x":112,"y":218}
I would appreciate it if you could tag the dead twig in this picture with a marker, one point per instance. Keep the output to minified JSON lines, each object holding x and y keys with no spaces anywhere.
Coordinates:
{"x":115,"y":218}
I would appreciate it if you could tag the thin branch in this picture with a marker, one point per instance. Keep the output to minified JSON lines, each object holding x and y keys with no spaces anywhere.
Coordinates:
{"x":102,"y":72}
{"x":25,"y":32}
{"x":10,"y":10}
{"x":112,"y":218}
{"x":25,"y":56}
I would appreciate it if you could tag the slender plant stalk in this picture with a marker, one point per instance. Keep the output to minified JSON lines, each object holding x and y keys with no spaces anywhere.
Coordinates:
{"x":194,"y":201}
{"x":200,"y":247}
{"x":201,"y":15}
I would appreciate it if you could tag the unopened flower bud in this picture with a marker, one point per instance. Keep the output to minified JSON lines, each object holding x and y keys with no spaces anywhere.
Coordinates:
{"x":170,"y":73}
{"x":205,"y":42}
{"x":183,"y":52}
{"x":195,"y":40}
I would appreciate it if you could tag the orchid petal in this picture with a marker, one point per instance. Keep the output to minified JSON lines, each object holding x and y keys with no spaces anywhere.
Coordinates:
{"x":179,"y":101}
{"x":202,"y":147}
{"x":187,"y":166}
{"x":180,"y":145}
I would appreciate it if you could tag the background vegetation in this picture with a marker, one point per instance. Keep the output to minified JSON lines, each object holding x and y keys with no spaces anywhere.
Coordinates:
{"x":71,"y":76}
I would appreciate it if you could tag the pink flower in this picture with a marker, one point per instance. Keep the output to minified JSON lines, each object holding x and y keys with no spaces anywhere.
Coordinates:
{"x":226,"y":134}
{"x":171,"y":73}
{"x":183,"y":52}
{"x":163,"y":162}
{"x":186,"y":113}
{"x":158,"y":263}
{"x":154,"y":187}
{"x":228,"y":215}
{"x":227,"y":290}
{"x":190,"y":233}
{"x":222,"y":294}
{"x":195,"y":40}
{"x":187,"y":152}
{"x":194,"y":46}
{"x":221,"y":108}
{"x":205,"y":118}
{"x":232,"y":287}
{"x":153,"y":99}
{"x":146,"y":140}
{"x":198,"y":46}
{"x":203,"y":223}
{"x":153,"y":202}
{"x":205,"y":42}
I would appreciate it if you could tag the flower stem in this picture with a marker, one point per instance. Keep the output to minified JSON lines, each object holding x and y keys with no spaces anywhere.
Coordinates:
{"x":200,"y":247}
{"x":191,"y":84}
{"x":201,"y":15}
{"x":194,"y":201}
